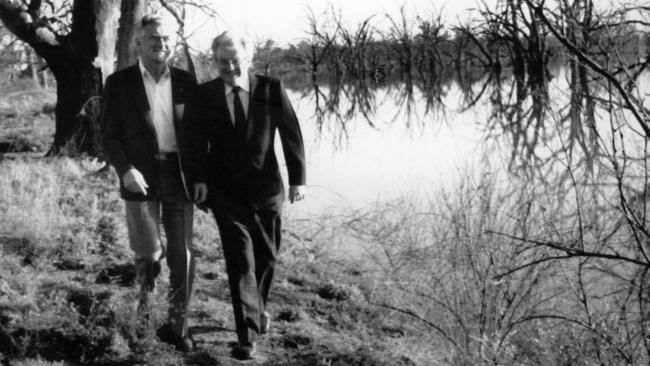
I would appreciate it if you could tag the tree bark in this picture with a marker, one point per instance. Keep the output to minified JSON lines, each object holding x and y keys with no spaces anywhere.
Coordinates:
{"x":33,"y":68}
{"x":78,"y":60}
{"x":87,"y":51}
{"x":131,"y":13}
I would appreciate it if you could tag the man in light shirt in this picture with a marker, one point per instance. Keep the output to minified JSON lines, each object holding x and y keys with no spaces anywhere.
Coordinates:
{"x":232,"y":121}
{"x":142,"y":112}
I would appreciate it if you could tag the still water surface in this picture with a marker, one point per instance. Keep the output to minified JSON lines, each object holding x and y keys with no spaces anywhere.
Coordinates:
{"x":390,"y":160}
{"x":410,"y":151}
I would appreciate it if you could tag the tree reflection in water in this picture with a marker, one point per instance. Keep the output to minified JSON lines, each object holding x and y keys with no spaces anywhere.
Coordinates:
{"x":504,"y":59}
{"x":565,"y":89}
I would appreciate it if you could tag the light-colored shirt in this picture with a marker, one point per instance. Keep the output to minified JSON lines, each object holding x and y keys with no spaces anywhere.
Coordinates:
{"x":243,"y":83}
{"x":159,"y":95}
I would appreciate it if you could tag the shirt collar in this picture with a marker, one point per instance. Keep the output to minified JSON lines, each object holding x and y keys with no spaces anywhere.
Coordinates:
{"x":146,"y":74}
{"x":243,"y":82}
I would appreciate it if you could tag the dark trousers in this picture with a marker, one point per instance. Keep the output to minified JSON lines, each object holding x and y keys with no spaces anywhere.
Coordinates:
{"x":143,"y":221}
{"x":251,"y":241}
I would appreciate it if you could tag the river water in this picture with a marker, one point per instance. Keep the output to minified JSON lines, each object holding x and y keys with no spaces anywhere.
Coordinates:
{"x":412,"y":152}
{"x":390,"y":159}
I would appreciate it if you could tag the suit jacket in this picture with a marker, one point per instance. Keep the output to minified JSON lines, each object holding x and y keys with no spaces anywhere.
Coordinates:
{"x":239,"y":164}
{"x":128,"y":131}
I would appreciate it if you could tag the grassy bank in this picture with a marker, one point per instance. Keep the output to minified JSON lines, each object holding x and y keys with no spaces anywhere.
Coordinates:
{"x":489,"y":273}
{"x":27,"y":118}
{"x":67,"y":292}
{"x":442,"y":283}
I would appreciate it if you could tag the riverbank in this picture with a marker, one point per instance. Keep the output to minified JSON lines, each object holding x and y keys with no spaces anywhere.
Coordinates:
{"x":67,"y":291}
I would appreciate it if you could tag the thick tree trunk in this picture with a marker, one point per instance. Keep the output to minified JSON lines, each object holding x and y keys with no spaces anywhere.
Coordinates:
{"x":79,"y":61}
{"x":79,"y":85}
{"x":131,"y":13}
{"x":87,"y":55}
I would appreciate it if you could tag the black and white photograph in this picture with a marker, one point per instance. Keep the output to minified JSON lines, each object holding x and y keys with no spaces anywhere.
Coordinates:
{"x":325,"y":182}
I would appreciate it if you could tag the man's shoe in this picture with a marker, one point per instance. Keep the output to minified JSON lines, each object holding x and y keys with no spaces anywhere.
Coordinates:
{"x":244,"y":351}
{"x":265,"y":322}
{"x":182,"y":343}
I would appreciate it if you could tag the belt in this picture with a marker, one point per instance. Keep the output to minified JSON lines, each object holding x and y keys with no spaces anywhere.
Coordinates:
{"x":166,"y":156}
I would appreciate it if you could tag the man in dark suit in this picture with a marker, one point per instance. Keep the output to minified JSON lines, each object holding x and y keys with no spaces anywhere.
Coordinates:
{"x":233,"y":120}
{"x":142,"y":112}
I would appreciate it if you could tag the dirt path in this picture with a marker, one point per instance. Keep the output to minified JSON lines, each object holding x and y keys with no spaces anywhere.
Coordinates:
{"x":81,"y":311}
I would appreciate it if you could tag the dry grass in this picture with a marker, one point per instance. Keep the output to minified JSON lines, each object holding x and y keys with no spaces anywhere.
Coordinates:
{"x":67,"y":293}
{"x":421,"y":286}
{"x":27,"y":118}
{"x":50,"y":203}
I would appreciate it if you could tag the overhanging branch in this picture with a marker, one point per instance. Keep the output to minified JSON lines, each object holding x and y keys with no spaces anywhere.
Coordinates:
{"x":539,"y":10}
{"x":22,"y":25}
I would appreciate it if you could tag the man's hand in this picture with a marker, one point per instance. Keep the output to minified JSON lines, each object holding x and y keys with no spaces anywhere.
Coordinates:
{"x":200,"y":192}
{"x":296,"y":193}
{"x":134,"y":181}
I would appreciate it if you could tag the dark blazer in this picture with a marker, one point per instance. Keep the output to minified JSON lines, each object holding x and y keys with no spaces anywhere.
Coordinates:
{"x":239,"y":164}
{"x":128,"y":130}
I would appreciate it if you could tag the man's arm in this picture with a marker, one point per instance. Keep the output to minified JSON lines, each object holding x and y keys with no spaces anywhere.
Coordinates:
{"x":291,"y":138}
{"x":292,"y":146}
{"x":112,"y":123}
{"x":196,"y":140}
{"x":297,"y":193}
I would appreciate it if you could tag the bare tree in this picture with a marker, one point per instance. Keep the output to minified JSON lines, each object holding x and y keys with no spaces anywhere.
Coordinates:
{"x":78,"y":48}
{"x":130,"y":14}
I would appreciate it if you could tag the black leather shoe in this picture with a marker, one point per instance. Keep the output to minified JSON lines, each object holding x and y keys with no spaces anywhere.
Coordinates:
{"x":184,"y":344}
{"x":244,"y":351}
{"x":265,"y":322}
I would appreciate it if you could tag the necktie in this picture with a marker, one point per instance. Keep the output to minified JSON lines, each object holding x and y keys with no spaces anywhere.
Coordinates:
{"x":240,"y":116}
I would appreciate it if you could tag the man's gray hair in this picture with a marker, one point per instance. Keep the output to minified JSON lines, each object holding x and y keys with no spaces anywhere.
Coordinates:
{"x":228,"y":38}
{"x":150,"y":19}
{"x":154,"y":18}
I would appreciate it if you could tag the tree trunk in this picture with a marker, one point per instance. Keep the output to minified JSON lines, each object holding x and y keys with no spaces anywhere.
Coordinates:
{"x":78,"y":61}
{"x":33,"y":67}
{"x":87,"y":54}
{"x":131,"y":13}
{"x":77,"y":109}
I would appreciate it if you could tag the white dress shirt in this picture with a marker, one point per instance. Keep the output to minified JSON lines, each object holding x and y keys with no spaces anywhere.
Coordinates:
{"x":243,"y":83}
{"x":159,"y":95}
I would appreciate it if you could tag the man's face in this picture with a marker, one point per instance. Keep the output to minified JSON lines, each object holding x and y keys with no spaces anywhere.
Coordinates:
{"x":155,"y":43}
{"x":231,"y":62}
